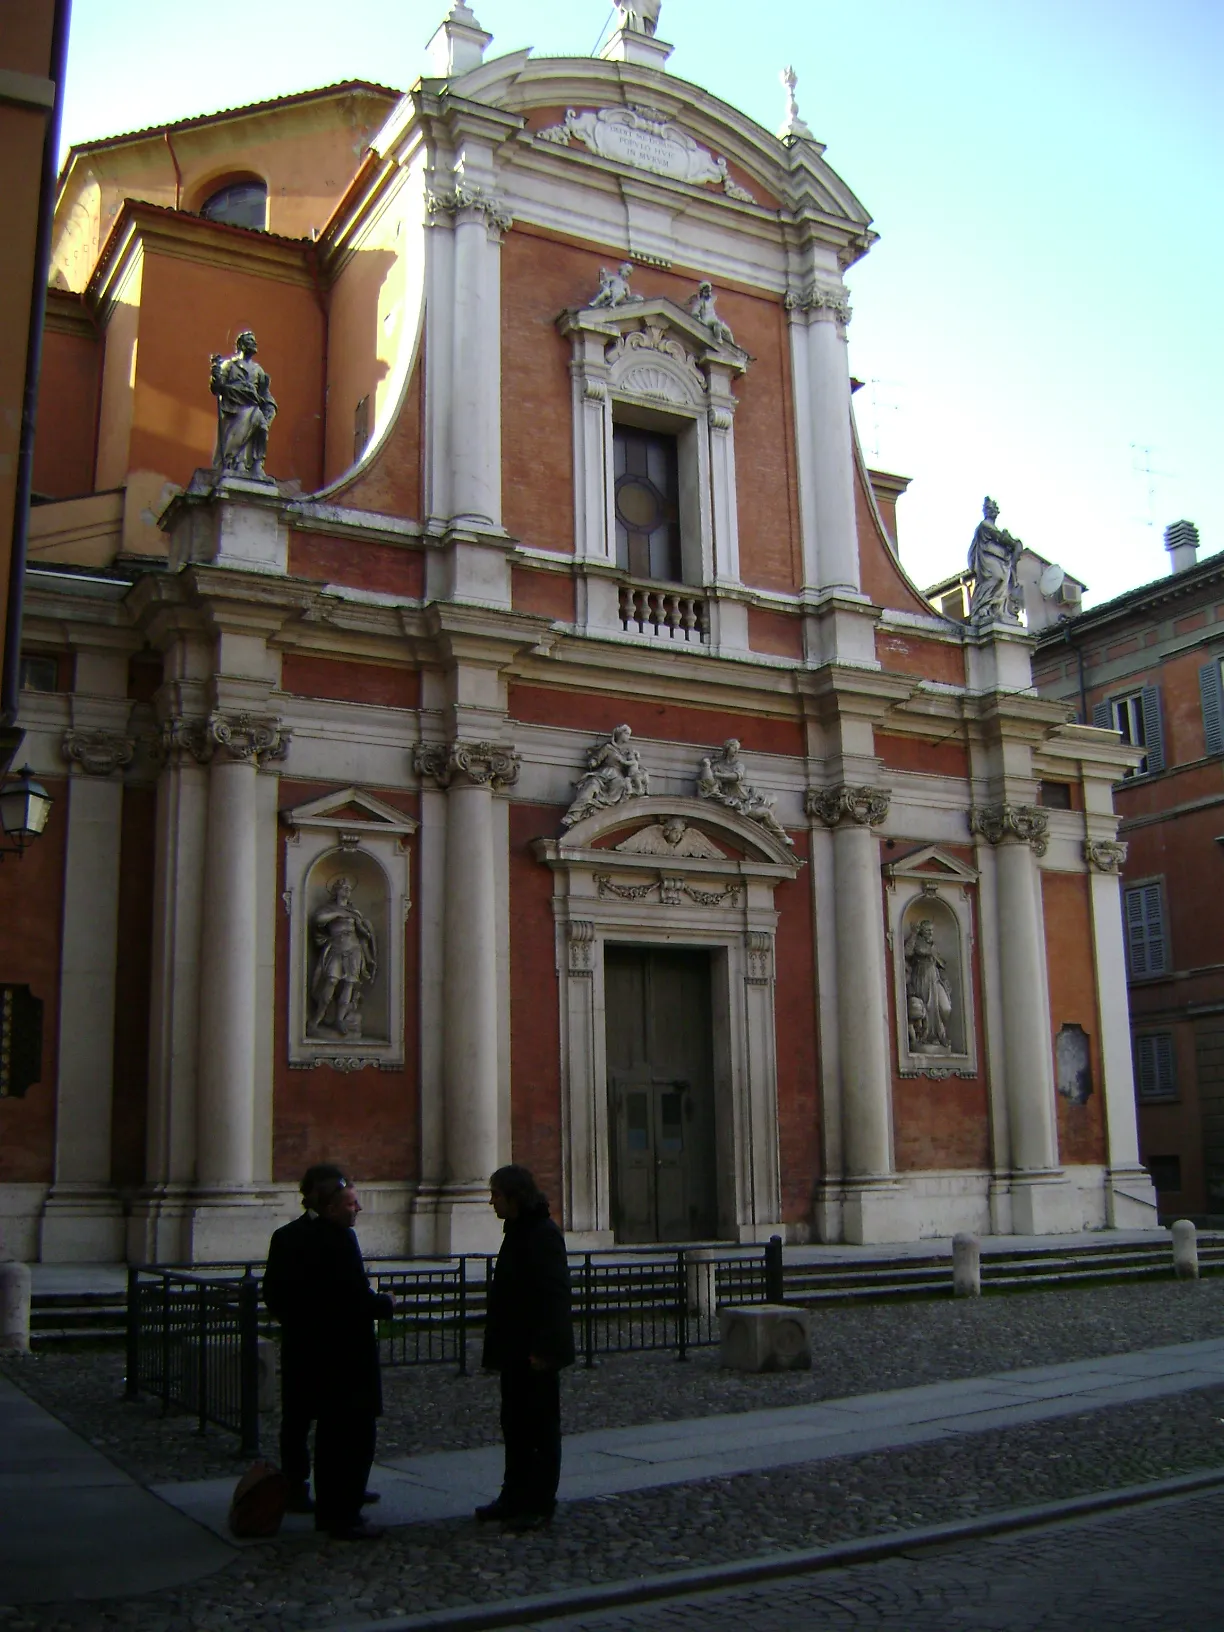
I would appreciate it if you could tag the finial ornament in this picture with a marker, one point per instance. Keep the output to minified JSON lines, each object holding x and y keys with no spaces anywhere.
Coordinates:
{"x":795,"y":127}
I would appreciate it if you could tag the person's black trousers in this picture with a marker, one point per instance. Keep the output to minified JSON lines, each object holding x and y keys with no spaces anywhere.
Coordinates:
{"x":295,"y":1442}
{"x":531,"y":1428}
{"x":344,"y":1455}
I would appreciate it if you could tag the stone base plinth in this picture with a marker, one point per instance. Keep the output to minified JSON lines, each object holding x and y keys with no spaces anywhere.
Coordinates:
{"x":1130,"y":1199}
{"x":81,"y":1224}
{"x":453,"y":1219}
{"x":1044,"y":1204}
{"x":765,"y":1337}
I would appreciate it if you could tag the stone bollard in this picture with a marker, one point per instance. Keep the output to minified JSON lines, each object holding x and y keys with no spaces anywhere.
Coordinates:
{"x":14,"y":1308}
{"x":1185,"y":1250}
{"x":966,"y":1266}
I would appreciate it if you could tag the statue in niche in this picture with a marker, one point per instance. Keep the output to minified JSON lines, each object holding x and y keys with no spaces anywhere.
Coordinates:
{"x":614,"y":287}
{"x":927,"y":992}
{"x":724,"y":779}
{"x":614,"y":772}
{"x":702,"y":307}
{"x":346,"y":960}
{"x":639,"y":16}
{"x":245,"y":409}
{"x":993,"y":556}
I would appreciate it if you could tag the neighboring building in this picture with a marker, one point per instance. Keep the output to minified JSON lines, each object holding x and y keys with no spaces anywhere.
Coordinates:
{"x":402,"y":822}
{"x":1148,"y":665}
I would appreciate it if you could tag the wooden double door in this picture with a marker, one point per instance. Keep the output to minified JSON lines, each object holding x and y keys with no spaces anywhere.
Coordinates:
{"x":661,"y":1091}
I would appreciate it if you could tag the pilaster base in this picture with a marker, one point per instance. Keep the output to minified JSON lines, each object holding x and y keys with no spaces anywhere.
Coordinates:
{"x":590,"y":1240}
{"x":81,"y":1224}
{"x":1044,"y":1204}
{"x":1130,"y":1199}
{"x":181,"y":1225}
{"x":876,"y":1210}
{"x":463,"y":1220}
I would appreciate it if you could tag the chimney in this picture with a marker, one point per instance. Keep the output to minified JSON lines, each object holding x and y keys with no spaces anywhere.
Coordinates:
{"x":1182,"y":542}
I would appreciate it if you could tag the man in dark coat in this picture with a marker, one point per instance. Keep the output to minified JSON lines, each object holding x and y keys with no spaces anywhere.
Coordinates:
{"x":315,"y":1284}
{"x":528,"y":1338}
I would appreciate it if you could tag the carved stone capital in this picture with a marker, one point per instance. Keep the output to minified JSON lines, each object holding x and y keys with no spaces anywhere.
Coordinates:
{"x":248,"y":738}
{"x":181,"y":738}
{"x":482,"y":764}
{"x":758,"y":944}
{"x":1011,"y":824}
{"x":580,"y":934}
{"x":98,"y":752}
{"x":1105,"y":855}
{"x":451,"y":203}
{"x":832,"y":806}
{"x":826,"y":304}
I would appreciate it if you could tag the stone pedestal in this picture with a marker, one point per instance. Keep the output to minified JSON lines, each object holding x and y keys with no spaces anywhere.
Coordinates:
{"x":14,"y":1308}
{"x":765,"y":1337}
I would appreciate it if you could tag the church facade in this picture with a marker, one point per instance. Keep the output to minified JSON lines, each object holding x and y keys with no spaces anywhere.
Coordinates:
{"x":540,"y":755}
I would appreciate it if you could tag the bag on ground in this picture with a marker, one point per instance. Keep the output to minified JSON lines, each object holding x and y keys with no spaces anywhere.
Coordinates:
{"x":258,"y":1504}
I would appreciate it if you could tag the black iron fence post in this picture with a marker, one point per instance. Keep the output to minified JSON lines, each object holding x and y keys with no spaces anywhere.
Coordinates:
{"x":248,"y":1362}
{"x":588,"y":1312}
{"x":462,"y":1315}
{"x":165,"y":1344}
{"x":681,"y":1306}
{"x":775,"y":1291}
{"x":131,"y":1383}
{"x":201,"y":1370}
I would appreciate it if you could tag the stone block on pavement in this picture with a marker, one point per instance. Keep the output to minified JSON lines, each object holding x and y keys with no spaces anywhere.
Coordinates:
{"x":766,"y":1337}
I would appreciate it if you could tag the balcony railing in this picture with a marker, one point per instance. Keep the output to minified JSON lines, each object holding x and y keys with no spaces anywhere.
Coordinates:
{"x":664,"y":614}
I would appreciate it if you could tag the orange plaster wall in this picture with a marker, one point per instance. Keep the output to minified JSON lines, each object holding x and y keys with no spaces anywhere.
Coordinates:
{"x":32,"y":895}
{"x":946,"y":758}
{"x":535,"y":1071}
{"x":368,"y":1121}
{"x":779,"y":633}
{"x":189,"y":310}
{"x":389,"y":568}
{"x":797,"y":1044}
{"x":132,"y":986}
{"x":546,"y":593}
{"x":347,"y":681}
{"x":929,"y":659}
{"x":540,"y":705}
{"x":1068,"y":931}
{"x":64,"y":444}
{"x":882,"y":579}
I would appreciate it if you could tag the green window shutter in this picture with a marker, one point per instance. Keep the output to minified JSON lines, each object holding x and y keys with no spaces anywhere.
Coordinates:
{"x":1153,"y":729}
{"x":1146,"y":942}
{"x":1102,"y":716}
{"x":1212,"y":693}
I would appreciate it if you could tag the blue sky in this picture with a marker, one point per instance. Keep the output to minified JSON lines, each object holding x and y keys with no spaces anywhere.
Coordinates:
{"x":1040,"y":319}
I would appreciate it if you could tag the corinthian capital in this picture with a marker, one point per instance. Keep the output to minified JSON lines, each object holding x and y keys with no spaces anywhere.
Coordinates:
{"x":483,"y":764}
{"x":1015,"y":824}
{"x":248,"y":738}
{"x":824,"y":302}
{"x":1104,"y":855}
{"x":866,"y":806}
{"x":181,"y":737}
{"x":98,"y":752}
{"x":450,"y":203}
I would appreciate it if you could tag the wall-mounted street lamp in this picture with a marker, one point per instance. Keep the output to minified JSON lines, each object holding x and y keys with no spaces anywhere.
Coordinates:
{"x":24,"y":808}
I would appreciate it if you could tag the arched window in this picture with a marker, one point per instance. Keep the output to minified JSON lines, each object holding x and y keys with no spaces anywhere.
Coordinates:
{"x":240,"y":203}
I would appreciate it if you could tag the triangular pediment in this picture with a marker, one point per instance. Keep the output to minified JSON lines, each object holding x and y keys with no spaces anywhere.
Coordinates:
{"x":931,"y":863}
{"x":351,"y":809}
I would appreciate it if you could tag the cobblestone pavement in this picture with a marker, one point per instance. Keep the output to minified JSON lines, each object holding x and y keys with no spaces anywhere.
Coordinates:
{"x":1149,"y":1569}
{"x":314,"y":1583}
{"x":856,"y":1351}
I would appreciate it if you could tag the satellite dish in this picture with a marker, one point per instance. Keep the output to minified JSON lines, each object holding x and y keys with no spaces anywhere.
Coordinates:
{"x":1051,"y":580}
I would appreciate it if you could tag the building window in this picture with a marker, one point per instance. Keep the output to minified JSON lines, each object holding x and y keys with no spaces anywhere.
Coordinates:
{"x":1147,"y":946}
{"x":1054,"y":795}
{"x":361,"y":428}
{"x":241,"y":204}
{"x":1155,"y":1067}
{"x":1211,"y":690}
{"x":1137,"y":716}
{"x":647,"y":505}
{"x":1165,"y":1171}
{"x":39,"y":673}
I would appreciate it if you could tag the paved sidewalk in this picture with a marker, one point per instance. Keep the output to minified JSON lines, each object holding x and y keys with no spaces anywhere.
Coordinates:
{"x":73,"y":1526}
{"x":449,"y":1484}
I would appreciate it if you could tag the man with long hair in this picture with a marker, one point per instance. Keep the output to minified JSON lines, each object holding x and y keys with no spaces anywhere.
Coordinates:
{"x":528,"y":1339}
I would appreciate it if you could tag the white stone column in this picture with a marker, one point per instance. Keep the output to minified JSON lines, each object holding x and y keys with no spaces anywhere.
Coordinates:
{"x":470,"y":772}
{"x":1042,"y":1199}
{"x":82,"y":1219}
{"x":229,"y":958}
{"x":825,"y":448}
{"x":1130,"y":1196}
{"x":870,"y":1209}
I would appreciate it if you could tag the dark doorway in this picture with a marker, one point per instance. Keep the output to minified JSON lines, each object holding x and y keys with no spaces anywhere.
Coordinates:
{"x":661,"y":1090}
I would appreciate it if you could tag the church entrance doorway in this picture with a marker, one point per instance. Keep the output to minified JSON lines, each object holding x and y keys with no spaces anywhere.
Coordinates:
{"x":661,"y":1093}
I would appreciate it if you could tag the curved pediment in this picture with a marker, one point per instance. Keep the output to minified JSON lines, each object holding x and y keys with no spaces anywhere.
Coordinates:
{"x":734,"y":835}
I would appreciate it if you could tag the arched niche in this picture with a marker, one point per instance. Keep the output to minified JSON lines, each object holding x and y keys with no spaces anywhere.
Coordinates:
{"x":930,"y":916}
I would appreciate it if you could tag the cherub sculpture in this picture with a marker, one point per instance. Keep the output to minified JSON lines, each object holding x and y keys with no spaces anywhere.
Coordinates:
{"x":702,"y":307}
{"x":614,"y":287}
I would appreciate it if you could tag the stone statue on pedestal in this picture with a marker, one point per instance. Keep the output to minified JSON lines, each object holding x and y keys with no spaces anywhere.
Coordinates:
{"x":702,"y":307}
{"x":639,"y":16}
{"x":614,"y":772}
{"x":993,"y":555}
{"x":346,"y":961}
{"x":723,"y":778}
{"x":928,"y":995}
{"x":614,"y":287}
{"x":245,"y":410}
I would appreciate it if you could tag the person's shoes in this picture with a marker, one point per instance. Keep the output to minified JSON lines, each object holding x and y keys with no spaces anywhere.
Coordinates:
{"x":370,"y":1497}
{"x":300,"y":1500}
{"x":521,"y":1524}
{"x":493,"y":1510}
{"x":359,"y":1530}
